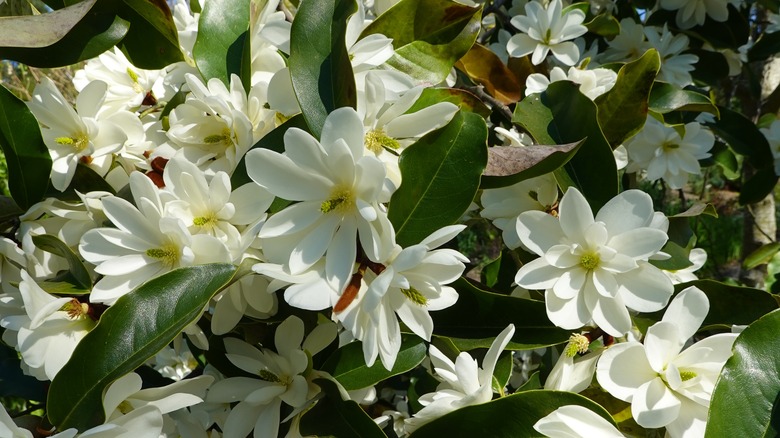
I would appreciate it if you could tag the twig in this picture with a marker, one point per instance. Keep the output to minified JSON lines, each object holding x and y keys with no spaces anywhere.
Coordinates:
{"x":494,"y":103}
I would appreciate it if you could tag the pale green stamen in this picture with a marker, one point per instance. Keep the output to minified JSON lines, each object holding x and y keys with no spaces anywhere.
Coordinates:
{"x":687,"y":375}
{"x":415,"y":296}
{"x":577,"y":344}
{"x":205,"y":221}
{"x":134,"y":77}
{"x":590,"y":261}
{"x":168,"y":254}
{"x":223,"y":137}
{"x":670,"y":146}
{"x":78,"y":143}
{"x":340,"y":200}
{"x":376,"y":141}
{"x":75,"y":309}
{"x":269,"y":376}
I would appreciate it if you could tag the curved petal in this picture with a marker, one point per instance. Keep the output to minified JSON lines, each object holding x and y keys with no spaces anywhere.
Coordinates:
{"x":623,"y":368}
{"x":654,"y":405}
{"x":687,"y":311}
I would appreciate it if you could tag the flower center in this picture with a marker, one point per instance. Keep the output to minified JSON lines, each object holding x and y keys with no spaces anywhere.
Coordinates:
{"x":415,"y":296}
{"x":577,"y":344}
{"x":168,"y":254}
{"x":208,"y":221}
{"x":667,"y":146}
{"x":76,"y":309}
{"x":590,"y":261}
{"x":687,"y":375}
{"x":269,"y":376}
{"x":281,"y":118}
{"x":78,"y":143}
{"x":224,"y":137}
{"x":341,"y":200}
{"x":134,"y":77}
{"x":376,"y":141}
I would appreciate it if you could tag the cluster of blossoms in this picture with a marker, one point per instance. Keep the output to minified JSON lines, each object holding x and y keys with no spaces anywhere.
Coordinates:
{"x":311,"y":218}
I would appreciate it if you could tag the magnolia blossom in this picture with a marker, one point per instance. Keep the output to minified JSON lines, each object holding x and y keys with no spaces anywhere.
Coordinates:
{"x":464,"y":383}
{"x":666,"y":385}
{"x":772,"y":135}
{"x":676,"y":67}
{"x":280,"y":378}
{"x":574,"y":421}
{"x":693,"y":12}
{"x":575,"y":367}
{"x":595,"y":268}
{"x":628,"y":45}
{"x":593,"y":83}
{"x":547,"y":30}
{"x":661,"y":151}
{"x":340,"y":190}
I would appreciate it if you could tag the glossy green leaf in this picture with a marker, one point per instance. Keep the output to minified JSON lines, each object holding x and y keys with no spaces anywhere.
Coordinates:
{"x":13,"y":381}
{"x":724,"y":157}
{"x":761,"y":256}
{"x":63,"y":287}
{"x":509,"y":165}
{"x":8,"y":209}
{"x":622,"y":111}
{"x":511,"y":416}
{"x":136,"y":327}
{"x":319,"y":63}
{"x":711,"y":68}
{"x":479,"y":316}
{"x":41,"y":30}
{"x":604,"y":25}
{"x":759,"y":186}
{"x":274,"y":141}
{"x":56,"y":246}
{"x":29,"y":163}
{"x":99,"y":30}
{"x":440,"y":175}
{"x":222,"y":33}
{"x":348,"y":366}
{"x":465,"y":100}
{"x":745,"y":398}
{"x":767,"y":46}
{"x":563,"y":115}
{"x":665,"y":98}
{"x":152,"y":42}
{"x":333,"y":416}
{"x":429,"y":36}
{"x":503,"y":371}
{"x":532,"y":383}
{"x":744,"y":137}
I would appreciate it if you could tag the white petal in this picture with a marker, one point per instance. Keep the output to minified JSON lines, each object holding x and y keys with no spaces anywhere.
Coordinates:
{"x":654,"y":405}
{"x":687,"y":311}
{"x":623,"y":368}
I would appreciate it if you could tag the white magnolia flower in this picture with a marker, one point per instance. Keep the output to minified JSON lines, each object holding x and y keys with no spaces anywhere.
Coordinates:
{"x":594,"y":268}
{"x":144,"y":422}
{"x":249,"y":296}
{"x":676,"y":67}
{"x":698,"y":257}
{"x":410,"y":284}
{"x":628,"y":45}
{"x":175,"y":362}
{"x":280,"y":378}
{"x":574,"y":421}
{"x":503,"y":205}
{"x":661,"y":151}
{"x":73,"y":136}
{"x":7,"y":426}
{"x":666,"y":385}
{"x":772,"y":135}
{"x":499,"y":47}
{"x":593,"y":83}
{"x":547,"y":30}
{"x":340,"y":191}
{"x":270,"y":33}
{"x":574,"y":369}
{"x":693,"y":12}
{"x":464,"y":383}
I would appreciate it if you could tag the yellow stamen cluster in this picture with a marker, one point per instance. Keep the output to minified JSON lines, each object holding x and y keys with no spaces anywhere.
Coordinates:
{"x":578,"y":344}
{"x":208,"y":221}
{"x":377,"y":140}
{"x":415,"y":296}
{"x":687,"y":375}
{"x":79,"y":142}
{"x":590,"y":261}
{"x":341,"y":200}
{"x":168,"y":254}
{"x":224,"y":138}
{"x":75,"y":309}
{"x":269,"y":376}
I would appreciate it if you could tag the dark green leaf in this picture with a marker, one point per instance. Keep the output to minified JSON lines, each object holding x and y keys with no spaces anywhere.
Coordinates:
{"x":503,"y":371}
{"x":604,"y":25}
{"x":762,"y":255}
{"x":711,"y":68}
{"x":729,"y":34}
{"x":465,"y":100}
{"x":509,"y":165}
{"x":479,"y":316}
{"x":97,"y":32}
{"x":29,"y":163}
{"x":63,"y":287}
{"x":759,"y":186}
{"x":13,"y":382}
{"x":665,"y":98}
{"x":746,"y":395}
{"x":139,"y":325}
{"x":319,"y":63}
{"x":563,"y":115}
{"x":274,"y":141}
{"x":696,"y":210}
{"x":440,"y":175}
{"x":348,"y":366}
{"x":679,"y":259}
{"x":56,"y":246}
{"x":511,"y":416}
{"x":222,"y":29}
{"x":8,"y":209}
{"x":532,"y":383}
{"x":41,"y":30}
{"x":724,"y":157}
{"x":744,"y":137}
{"x":332,"y":416}
{"x":152,"y":42}
{"x":623,"y":109}
{"x":429,"y":36}
{"x":767,"y":46}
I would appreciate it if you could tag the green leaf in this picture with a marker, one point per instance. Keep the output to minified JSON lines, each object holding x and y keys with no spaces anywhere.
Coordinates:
{"x":511,"y":416}
{"x":563,"y":115}
{"x":761,"y":255}
{"x":503,"y":371}
{"x":604,"y":25}
{"x":274,"y":141}
{"x":56,"y":246}
{"x":29,"y":163}
{"x":100,"y":30}
{"x":622,"y":111}
{"x":333,"y":416}
{"x":429,"y":36}
{"x":465,"y":100}
{"x":745,"y":398}
{"x":222,"y":33}
{"x":440,"y":175}
{"x":152,"y":42}
{"x":35,"y":31}
{"x":63,"y":287}
{"x":724,"y":157}
{"x":744,"y":137}
{"x":758,"y":187}
{"x":348,"y":366}
{"x":509,"y":165}
{"x":711,"y":68}
{"x":136,"y":327}
{"x":665,"y":98}
{"x":767,"y":46}
{"x":319,"y":63}
{"x":479,"y":316}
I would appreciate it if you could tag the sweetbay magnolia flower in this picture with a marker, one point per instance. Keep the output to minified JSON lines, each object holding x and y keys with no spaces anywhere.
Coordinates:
{"x":596,"y":268}
{"x":666,"y":385}
{"x":546,"y":30}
